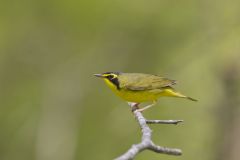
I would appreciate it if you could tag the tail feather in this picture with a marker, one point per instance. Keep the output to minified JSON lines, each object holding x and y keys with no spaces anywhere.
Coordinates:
{"x":172,"y":92}
{"x":192,"y":99}
{"x":183,"y":96}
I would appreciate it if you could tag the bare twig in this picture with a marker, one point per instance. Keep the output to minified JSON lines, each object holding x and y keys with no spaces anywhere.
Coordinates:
{"x":163,"y":121}
{"x":147,"y":142}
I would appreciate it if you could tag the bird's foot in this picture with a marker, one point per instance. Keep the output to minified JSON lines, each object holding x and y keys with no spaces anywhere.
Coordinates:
{"x":134,"y":106}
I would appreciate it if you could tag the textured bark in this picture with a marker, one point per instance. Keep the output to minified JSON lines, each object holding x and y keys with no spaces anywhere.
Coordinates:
{"x":147,"y":142}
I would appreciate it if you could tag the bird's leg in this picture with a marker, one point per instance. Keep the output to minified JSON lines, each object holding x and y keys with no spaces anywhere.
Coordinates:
{"x":134,"y":106}
{"x":148,"y":106}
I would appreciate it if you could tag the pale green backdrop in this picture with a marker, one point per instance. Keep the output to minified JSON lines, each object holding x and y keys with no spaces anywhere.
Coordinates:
{"x":52,"y":108}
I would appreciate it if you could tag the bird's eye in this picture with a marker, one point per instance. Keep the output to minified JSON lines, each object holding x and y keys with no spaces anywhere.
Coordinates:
{"x":110,"y":77}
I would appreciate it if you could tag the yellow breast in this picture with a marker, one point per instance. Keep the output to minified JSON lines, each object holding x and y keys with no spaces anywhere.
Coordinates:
{"x":135,"y":96}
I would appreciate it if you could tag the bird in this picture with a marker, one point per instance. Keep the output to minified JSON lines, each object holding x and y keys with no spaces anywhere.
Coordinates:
{"x":139,"y":87}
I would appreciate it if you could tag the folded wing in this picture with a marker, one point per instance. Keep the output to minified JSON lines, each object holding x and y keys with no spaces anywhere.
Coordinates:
{"x":140,"y":82}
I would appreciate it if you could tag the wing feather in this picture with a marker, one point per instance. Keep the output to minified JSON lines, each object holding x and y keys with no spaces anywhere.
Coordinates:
{"x":139,"y":82}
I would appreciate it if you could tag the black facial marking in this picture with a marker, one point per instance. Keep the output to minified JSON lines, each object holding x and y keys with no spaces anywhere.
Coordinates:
{"x":110,"y":77}
{"x":114,"y":81}
{"x":117,"y":73}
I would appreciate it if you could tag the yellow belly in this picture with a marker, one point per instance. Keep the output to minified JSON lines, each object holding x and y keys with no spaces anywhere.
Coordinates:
{"x":140,"y":96}
{"x":137,"y":96}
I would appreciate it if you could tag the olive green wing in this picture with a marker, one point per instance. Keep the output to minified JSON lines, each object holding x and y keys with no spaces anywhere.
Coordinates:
{"x":140,"y":82}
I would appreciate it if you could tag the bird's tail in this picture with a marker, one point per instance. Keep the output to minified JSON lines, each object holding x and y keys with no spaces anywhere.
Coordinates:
{"x":192,"y":99}
{"x":173,"y":93}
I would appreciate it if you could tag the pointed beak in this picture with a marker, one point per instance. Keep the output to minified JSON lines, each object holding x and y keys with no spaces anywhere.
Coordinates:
{"x":98,"y":75}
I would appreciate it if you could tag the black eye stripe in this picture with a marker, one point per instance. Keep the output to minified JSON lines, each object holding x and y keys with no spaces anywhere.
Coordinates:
{"x":115,"y":81}
{"x":110,"y":76}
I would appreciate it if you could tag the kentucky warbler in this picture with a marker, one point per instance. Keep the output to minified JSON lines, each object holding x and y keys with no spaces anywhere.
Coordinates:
{"x":139,"y":87}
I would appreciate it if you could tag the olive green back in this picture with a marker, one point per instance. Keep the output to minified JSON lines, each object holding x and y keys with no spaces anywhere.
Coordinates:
{"x":140,"y":81}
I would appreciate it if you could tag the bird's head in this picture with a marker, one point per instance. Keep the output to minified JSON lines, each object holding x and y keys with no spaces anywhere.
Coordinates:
{"x":111,"y":78}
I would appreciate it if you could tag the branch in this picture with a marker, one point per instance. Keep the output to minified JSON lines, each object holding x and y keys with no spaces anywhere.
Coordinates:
{"x":163,"y":121}
{"x":147,"y":142}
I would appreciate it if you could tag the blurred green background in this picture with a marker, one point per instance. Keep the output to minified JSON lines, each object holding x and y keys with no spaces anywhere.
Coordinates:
{"x":52,"y":108}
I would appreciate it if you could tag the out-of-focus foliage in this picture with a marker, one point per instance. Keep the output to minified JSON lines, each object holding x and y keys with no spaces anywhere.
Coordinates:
{"x":52,"y":108}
